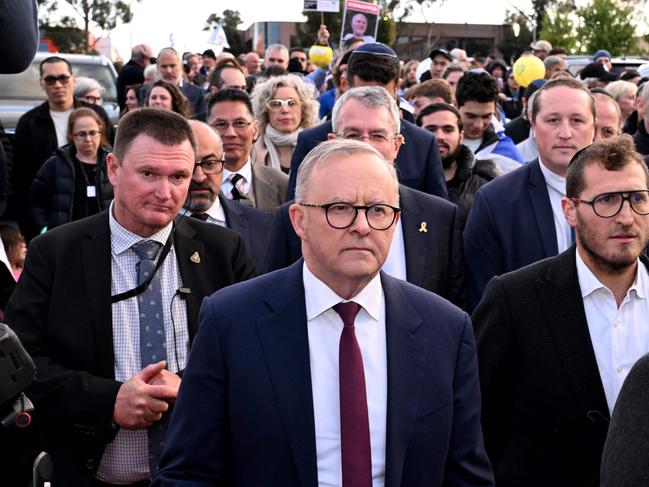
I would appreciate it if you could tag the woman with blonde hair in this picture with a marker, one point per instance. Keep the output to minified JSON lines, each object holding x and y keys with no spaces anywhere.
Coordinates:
{"x":284,"y":106}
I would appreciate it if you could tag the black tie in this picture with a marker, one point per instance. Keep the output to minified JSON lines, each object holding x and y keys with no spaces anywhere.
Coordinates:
{"x":236,"y":194}
{"x":199,"y":216}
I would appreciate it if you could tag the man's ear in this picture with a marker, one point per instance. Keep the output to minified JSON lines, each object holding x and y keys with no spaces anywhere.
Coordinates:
{"x":569,"y":208}
{"x":296,"y":213}
{"x":331,"y":136}
{"x":113,"y":166}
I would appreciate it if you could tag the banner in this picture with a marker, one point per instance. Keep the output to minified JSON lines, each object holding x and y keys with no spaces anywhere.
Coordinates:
{"x":360,"y":19}
{"x":218,"y":37}
{"x":322,"y":5}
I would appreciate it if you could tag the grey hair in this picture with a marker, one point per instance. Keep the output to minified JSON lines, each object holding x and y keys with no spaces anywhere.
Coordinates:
{"x":371,"y":97}
{"x":152,"y":70}
{"x":193,"y":123}
{"x":552,"y":61}
{"x":83,"y":85}
{"x":328,"y":150}
{"x":168,"y":50}
{"x":620,"y":88}
{"x":276,"y":47}
{"x":263,"y":92}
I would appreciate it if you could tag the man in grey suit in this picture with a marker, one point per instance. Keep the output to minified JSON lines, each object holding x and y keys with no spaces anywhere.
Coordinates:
{"x":230,"y":113}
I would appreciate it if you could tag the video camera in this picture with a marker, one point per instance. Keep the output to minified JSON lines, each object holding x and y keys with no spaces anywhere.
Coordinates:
{"x":17,"y":372}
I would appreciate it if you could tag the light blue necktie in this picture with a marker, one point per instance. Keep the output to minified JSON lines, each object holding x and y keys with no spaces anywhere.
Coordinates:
{"x":153,"y":346}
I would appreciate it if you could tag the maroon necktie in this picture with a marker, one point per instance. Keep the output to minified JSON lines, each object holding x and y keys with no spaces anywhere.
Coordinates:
{"x":354,"y":423}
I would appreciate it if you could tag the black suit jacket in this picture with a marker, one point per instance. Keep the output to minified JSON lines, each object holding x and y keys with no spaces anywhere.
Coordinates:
{"x":544,"y":411}
{"x":194,"y":94}
{"x":253,"y":225}
{"x":62,"y":313}
{"x":418,"y":163}
{"x":434,"y":258}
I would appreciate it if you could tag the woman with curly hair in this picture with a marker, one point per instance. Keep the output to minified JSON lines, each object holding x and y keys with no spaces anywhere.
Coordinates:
{"x":284,"y":106}
{"x":168,"y":96}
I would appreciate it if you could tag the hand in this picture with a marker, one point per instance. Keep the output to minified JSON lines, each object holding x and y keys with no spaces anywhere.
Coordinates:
{"x":166,"y":378}
{"x":138,"y":404}
{"x":502,"y":96}
{"x":323,"y":35}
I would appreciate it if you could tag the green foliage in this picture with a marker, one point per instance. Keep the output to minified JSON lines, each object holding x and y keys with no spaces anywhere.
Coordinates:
{"x":230,"y":20}
{"x":66,"y":35}
{"x":559,"y":26}
{"x":540,"y":8}
{"x":607,"y":24}
{"x":103,"y":13}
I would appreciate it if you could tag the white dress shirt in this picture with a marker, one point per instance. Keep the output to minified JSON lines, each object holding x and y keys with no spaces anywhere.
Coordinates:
{"x":556,"y":186}
{"x":215,"y":214}
{"x":620,"y":336}
{"x":245,"y":171}
{"x":324,"y":330}
{"x":395,"y":262}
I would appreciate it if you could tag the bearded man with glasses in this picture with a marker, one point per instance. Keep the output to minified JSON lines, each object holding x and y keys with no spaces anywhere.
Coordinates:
{"x":42,"y":130}
{"x":556,"y":339}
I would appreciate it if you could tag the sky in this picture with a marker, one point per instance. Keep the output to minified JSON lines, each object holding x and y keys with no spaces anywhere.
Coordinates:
{"x":155,"y":20}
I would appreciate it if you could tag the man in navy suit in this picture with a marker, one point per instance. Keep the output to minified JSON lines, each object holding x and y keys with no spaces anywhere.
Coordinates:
{"x":206,"y":203}
{"x":418,"y":163}
{"x":289,"y":382}
{"x":427,"y":248}
{"x":170,"y":69}
{"x":517,"y":219}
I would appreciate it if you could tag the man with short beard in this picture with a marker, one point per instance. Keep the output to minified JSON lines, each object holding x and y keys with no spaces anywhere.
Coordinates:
{"x":464,"y":174}
{"x":205,"y":201}
{"x":556,"y":339}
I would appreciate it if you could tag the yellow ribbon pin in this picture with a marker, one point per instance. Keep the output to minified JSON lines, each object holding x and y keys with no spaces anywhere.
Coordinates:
{"x":195,"y":258}
{"x":423,"y":228}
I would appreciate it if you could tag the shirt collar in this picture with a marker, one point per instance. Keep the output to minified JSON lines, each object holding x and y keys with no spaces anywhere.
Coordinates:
{"x":122,"y":239}
{"x":553,"y":180}
{"x":245,"y":171}
{"x":319,"y":297}
{"x":588,"y":282}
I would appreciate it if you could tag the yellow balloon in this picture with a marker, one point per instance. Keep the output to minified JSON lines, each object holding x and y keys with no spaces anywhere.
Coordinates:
{"x":321,"y":56}
{"x":527,"y":69}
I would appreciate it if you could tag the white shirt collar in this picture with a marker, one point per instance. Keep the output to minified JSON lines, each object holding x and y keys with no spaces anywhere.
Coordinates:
{"x":216,"y":210}
{"x":319,"y":297}
{"x":122,"y":239}
{"x":552,"y":179}
{"x":245,"y":171}
{"x":588,"y":282}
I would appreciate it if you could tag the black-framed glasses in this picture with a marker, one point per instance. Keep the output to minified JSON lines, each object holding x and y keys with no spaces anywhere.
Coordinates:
{"x":607,"y":205}
{"x":211,"y":165}
{"x":61,"y":78}
{"x":82,"y":134}
{"x":343,"y":215}
{"x":240,"y":125}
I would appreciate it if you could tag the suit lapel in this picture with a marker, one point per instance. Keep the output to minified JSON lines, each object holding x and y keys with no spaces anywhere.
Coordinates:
{"x":540,"y":201}
{"x":191,"y":255}
{"x":96,"y":258}
{"x":234,"y":220}
{"x":407,"y":357}
{"x":561,"y":296}
{"x":285,"y":342}
{"x":416,"y":243}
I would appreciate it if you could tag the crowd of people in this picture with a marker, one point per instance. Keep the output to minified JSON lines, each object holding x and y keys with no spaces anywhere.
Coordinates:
{"x":409,"y":272}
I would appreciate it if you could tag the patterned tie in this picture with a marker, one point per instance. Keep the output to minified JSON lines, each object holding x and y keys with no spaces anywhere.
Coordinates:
{"x":238,"y":191}
{"x":153,"y":347}
{"x":354,"y":422}
{"x":199,"y":216}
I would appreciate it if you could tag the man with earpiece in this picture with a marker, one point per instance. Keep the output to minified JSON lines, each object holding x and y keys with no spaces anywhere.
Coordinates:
{"x":108,"y":306}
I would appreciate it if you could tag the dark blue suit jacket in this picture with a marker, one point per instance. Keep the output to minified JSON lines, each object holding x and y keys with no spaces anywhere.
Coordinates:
{"x":434,"y":258}
{"x":253,"y":225}
{"x":418,"y":163}
{"x":510,"y":226}
{"x":244,"y":416}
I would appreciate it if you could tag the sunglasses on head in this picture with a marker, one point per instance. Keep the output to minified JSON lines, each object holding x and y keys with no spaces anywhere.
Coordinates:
{"x":62,"y":78}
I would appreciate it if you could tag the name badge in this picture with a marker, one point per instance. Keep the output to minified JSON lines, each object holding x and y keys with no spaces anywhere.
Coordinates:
{"x":91,"y":191}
